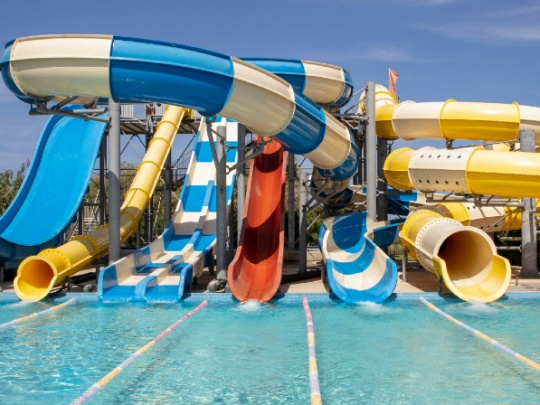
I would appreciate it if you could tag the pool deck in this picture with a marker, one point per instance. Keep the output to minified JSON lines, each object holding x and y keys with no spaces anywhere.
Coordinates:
{"x":416,"y":279}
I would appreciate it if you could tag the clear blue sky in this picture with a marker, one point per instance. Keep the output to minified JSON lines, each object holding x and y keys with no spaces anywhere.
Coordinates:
{"x":469,"y":50}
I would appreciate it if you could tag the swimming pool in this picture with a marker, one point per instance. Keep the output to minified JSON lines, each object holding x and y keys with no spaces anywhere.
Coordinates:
{"x":399,"y":352}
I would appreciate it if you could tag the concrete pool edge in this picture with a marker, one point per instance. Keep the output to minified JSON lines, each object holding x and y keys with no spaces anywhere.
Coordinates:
{"x":283,"y":298}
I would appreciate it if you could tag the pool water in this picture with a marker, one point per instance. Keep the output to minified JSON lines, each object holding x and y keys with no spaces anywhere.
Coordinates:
{"x":399,"y":352}
{"x":405,"y":353}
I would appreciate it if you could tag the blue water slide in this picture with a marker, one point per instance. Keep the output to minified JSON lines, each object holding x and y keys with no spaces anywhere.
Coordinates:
{"x":293,"y":71}
{"x":53,"y":188}
{"x":141,"y":70}
{"x":162,"y":270}
{"x":357,"y":268}
{"x":399,"y":201}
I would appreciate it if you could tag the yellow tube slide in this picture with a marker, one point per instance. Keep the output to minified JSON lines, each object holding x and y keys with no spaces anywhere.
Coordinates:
{"x":451,"y":120}
{"x":37,"y":275}
{"x":489,"y":219}
{"x":469,"y":170}
{"x":464,"y":257}
{"x":486,"y":218}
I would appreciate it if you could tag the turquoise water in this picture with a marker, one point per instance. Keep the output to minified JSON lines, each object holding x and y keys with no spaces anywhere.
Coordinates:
{"x":399,"y":352}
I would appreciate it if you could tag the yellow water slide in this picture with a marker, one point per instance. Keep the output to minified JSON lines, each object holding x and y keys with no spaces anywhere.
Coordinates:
{"x":464,"y":257}
{"x":452,"y":120}
{"x":466,"y":170}
{"x":448,"y":239}
{"x":37,"y":275}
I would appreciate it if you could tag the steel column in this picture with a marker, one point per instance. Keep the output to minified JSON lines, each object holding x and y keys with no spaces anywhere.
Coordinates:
{"x":371,"y":153}
{"x":302,"y":221}
{"x":221,"y":180}
{"x":167,"y":191}
{"x":382,"y":186}
{"x":102,"y":188}
{"x":80,"y":218}
{"x":114,"y":181}
{"x":290,"y":187}
{"x":240,"y":181}
{"x":148,"y":223}
{"x":529,"y":268}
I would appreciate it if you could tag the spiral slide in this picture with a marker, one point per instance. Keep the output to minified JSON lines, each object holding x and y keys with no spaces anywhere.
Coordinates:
{"x":358,"y":270}
{"x":255,"y":272}
{"x":48,"y":200}
{"x":161,"y":270}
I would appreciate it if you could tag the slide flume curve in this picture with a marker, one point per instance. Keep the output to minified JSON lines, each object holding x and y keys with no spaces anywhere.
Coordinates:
{"x":48,"y":200}
{"x":358,"y":270}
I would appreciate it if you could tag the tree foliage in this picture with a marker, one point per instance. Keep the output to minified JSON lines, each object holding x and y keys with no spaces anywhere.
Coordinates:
{"x":10,"y":183}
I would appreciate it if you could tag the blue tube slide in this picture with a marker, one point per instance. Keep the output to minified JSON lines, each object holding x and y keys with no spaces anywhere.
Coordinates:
{"x":293,"y":71}
{"x":142,"y":70}
{"x":53,"y":188}
{"x":356,"y":268}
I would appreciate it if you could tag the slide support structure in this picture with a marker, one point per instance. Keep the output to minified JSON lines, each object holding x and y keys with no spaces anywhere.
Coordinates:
{"x":102,"y":190}
{"x":240,"y":181}
{"x":167,"y":192}
{"x":382,"y":185}
{"x":371,"y":152}
{"x":290,"y":189}
{"x":114,"y":181}
{"x":148,"y":214}
{"x":302,"y":222}
{"x":528,"y":219}
{"x":221,"y":203}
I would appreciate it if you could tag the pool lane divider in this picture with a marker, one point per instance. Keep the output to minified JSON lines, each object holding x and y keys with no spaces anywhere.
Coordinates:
{"x":105,"y":380}
{"x":475,"y":332}
{"x":314,"y":388}
{"x":37,"y":314}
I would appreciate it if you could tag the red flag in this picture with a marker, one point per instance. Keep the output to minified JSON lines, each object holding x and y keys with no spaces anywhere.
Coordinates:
{"x":392,"y":78}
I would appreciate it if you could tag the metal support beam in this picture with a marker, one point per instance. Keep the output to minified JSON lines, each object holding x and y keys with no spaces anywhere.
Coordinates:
{"x":80,"y":218}
{"x":529,"y":267}
{"x":291,"y":169}
{"x":371,"y":153}
{"x":114,"y":181}
{"x":359,"y":177}
{"x":404,"y":259}
{"x":47,"y":111}
{"x":240,"y":181}
{"x":149,"y":209}
{"x":302,"y":222}
{"x":221,"y":179}
{"x":167,"y":191}
{"x":382,"y":186}
{"x":102,"y":175}
{"x":256,"y":151}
